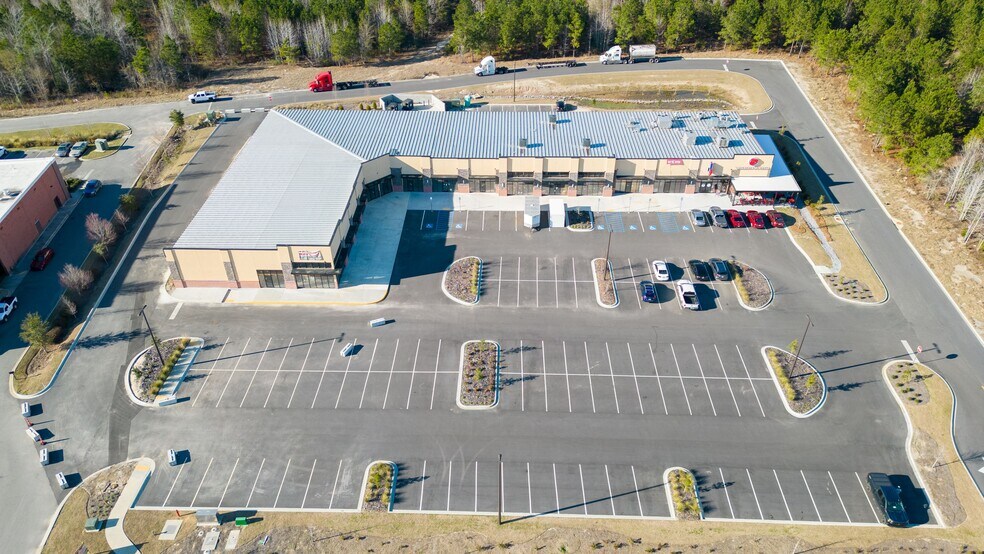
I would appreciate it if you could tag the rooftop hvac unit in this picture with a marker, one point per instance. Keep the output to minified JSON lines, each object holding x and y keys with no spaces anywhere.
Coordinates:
{"x":586,"y":144}
{"x":689,"y":138}
{"x":723,"y":122}
{"x":553,"y":119}
{"x":522,"y":146}
{"x":722,"y":141}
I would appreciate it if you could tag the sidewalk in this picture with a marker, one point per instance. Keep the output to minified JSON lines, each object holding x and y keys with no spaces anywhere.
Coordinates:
{"x":661,"y":202}
{"x":22,"y":267}
{"x":115,"y":536}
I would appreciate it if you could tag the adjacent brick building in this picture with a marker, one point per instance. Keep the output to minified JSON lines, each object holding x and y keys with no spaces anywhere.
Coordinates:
{"x":31,"y":193}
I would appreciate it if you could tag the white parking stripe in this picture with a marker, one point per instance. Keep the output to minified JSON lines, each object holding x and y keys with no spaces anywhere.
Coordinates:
{"x":306,"y":489}
{"x":255,"y":371}
{"x":226,"y":489}
{"x":805,"y":482}
{"x":519,"y":275}
{"x":546,"y":397}
{"x":864,"y":490}
{"x":466,"y":219}
{"x":274,"y":383}
{"x":498,"y":296}
{"x":757,"y":505}
{"x":556,"y":285}
{"x":413,"y":372}
{"x":450,"y":462}
{"x":728,"y":380}
{"x":345,"y":375}
{"x":584,"y":497}
{"x":390,"y":379}
{"x":556,"y":491}
{"x":335,"y":484}
{"x":659,"y":382}
{"x":708,"y":389}
{"x":236,"y":367}
{"x":638,"y":496}
{"x":175,"y":482}
{"x":574,"y":277}
{"x":423,"y":481}
{"x":567,"y":376}
{"x":611,"y":496}
{"x":476,"y":485}
{"x":754,"y":391}
{"x":635,"y":377}
{"x":641,"y":224}
{"x":437,"y":361}
{"x":263,"y":461}
{"x":680,"y":374}
{"x":177,"y":309}
{"x":366,"y":385}
{"x":214,"y":362}
{"x":635,"y":285}
{"x":834,"y":483}
{"x":298,"y":381}
{"x":331,"y":349}
{"x":727,"y":495}
{"x":590,"y":386}
{"x":483,"y":220}
{"x":281,"y":488}
{"x":204,"y":476}
{"x":788,"y":513}
{"x":522,"y":380}
{"x":612,"y":370}
{"x":536,"y":278}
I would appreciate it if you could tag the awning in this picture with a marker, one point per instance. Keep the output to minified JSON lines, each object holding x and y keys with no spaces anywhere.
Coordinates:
{"x":784,"y":183}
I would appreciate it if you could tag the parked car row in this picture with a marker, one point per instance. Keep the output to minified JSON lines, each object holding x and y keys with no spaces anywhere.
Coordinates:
{"x":715,"y":268}
{"x":734,"y":218}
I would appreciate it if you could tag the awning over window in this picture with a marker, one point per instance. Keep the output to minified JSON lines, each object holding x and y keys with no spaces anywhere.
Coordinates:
{"x":785,"y":183}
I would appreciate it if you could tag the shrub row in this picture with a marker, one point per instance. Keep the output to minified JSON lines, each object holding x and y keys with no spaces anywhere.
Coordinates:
{"x":782,"y":376}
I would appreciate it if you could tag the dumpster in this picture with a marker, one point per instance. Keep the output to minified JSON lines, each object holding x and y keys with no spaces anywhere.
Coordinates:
{"x":531,"y":213}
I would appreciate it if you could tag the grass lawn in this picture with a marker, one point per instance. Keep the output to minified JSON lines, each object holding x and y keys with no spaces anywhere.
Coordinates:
{"x":111,"y":148}
{"x":53,"y":136}
{"x":34,"y":383}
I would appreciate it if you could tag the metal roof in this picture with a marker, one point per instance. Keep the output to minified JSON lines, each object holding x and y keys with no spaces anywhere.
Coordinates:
{"x":16,"y":178}
{"x":488,"y":134}
{"x":287,"y":186}
{"x":779,"y":179}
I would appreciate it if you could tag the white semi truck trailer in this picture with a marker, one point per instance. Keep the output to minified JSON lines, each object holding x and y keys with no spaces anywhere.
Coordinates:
{"x":637,"y":53}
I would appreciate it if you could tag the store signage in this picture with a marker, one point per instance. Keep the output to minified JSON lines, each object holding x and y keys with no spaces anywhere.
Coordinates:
{"x":674,"y":161}
{"x":310,"y":256}
{"x":754,"y":162}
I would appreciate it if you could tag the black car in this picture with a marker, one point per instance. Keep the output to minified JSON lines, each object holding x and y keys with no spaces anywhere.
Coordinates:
{"x":700,"y":270}
{"x":721,"y":270}
{"x":648,"y":291}
{"x":889,"y":500}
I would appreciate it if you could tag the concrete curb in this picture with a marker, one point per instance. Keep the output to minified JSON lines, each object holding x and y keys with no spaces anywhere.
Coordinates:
{"x":461,"y":370}
{"x":669,"y":491}
{"x":478,"y":295}
{"x":909,"y":432}
{"x":597,"y":287}
{"x":365,"y":483}
{"x":115,"y":534}
{"x":772,"y":292}
{"x":782,"y":394}
{"x":126,"y":377}
{"x":826,"y":285}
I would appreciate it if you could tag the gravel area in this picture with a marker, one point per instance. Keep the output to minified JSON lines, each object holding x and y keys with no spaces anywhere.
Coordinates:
{"x":753,"y":287}
{"x":804,"y":388}
{"x":684,"y":495}
{"x":479,"y":370}
{"x":148,"y":369}
{"x":463,"y":279}
{"x":909,"y":381}
{"x":603,"y":280}
{"x":378,"y":486}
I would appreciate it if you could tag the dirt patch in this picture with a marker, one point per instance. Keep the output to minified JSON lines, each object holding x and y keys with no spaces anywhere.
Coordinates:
{"x":379,"y":484}
{"x":479,"y":373}
{"x":462,"y":280}
{"x":799,"y":381}
{"x":603,"y":282}
{"x":753,"y":287}
{"x":684,"y":491}
{"x":94,"y":498}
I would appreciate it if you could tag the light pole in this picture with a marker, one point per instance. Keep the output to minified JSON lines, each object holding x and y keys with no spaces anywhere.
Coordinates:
{"x":799,"y":347}
{"x":608,"y":250}
{"x":152,"y":337}
{"x":500,"y":489}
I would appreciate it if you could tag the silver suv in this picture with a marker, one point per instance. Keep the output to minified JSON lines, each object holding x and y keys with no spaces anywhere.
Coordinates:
{"x":719,"y":217}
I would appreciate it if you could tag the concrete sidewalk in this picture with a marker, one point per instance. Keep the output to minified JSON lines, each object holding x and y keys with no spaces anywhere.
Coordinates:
{"x":115,"y":536}
{"x":661,"y":202}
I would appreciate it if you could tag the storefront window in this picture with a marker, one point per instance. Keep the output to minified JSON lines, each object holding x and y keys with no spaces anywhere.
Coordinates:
{"x":481,"y":184}
{"x":444,"y":184}
{"x":413,"y":183}
{"x":590,"y":187}
{"x":270,"y":278}
{"x":519,"y":187}
{"x":628,"y":184}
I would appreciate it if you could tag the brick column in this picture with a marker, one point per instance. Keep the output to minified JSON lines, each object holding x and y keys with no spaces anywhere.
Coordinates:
{"x":607,"y":191}
{"x":647,"y":189}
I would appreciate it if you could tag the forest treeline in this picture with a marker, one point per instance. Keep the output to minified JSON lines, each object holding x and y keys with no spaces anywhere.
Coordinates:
{"x":915,"y":65}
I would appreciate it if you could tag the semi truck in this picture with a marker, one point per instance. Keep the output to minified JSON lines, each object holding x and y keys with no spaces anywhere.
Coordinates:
{"x":637,"y":53}
{"x":554,"y":63}
{"x":487,"y":67}
{"x":324,"y":82}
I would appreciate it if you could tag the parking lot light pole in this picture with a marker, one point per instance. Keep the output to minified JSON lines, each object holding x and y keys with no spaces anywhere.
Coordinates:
{"x":500,"y":489}
{"x":152,"y":337}
{"x":608,"y":251}
{"x":799,"y":347}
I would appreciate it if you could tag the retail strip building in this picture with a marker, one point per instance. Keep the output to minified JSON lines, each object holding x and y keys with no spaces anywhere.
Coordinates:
{"x":285,"y":212}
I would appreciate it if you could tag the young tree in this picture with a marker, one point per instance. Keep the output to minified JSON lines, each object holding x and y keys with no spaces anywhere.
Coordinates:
{"x":177,"y":117}
{"x":128,"y":203}
{"x":345,"y":43}
{"x":35,"y":331}
{"x":75,"y":279}
{"x":121,"y":218}
{"x":100,"y":231}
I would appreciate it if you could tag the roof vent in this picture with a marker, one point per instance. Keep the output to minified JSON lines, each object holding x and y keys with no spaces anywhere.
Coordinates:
{"x":722,"y":122}
{"x":522,"y":146}
{"x":394,"y":152}
{"x":586,"y":145}
{"x":722,"y":141}
{"x":664,"y":122}
{"x":553,"y":119}
{"x":689,"y":138}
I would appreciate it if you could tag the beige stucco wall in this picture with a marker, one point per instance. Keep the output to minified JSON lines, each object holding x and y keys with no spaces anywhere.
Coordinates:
{"x":487,"y":167}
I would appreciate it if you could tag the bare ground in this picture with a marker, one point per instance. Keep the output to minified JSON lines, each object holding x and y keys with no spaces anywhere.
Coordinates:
{"x":752,"y":285}
{"x":479,"y":371}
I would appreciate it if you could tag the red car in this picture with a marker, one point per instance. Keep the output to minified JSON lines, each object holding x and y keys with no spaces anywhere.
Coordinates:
{"x":735,"y":218}
{"x":42,"y":258}
{"x":776,"y":219}
{"x":755,"y":219}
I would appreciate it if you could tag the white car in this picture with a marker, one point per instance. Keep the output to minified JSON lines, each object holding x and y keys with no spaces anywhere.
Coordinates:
{"x":3,"y":151}
{"x":660,"y":271}
{"x":687,"y":295}
{"x":7,"y":306}
{"x":202,"y":96}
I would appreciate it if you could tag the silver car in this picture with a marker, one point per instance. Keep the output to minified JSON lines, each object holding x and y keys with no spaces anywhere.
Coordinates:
{"x":699,"y":217}
{"x":719,"y":217}
{"x":79,"y":148}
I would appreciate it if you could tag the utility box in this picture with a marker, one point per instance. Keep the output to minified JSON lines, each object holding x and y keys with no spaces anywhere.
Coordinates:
{"x":102,"y":145}
{"x":93,"y":524}
{"x":26,"y":409}
{"x":378,"y":322}
{"x":348,"y":350}
{"x":43,"y":456}
{"x":172,"y":457}
{"x":558,"y":213}
{"x":531,"y":213}
{"x":62,"y":481}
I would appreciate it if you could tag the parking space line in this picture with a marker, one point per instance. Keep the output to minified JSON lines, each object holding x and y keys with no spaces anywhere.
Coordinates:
{"x":611,"y":496}
{"x":611,"y":369}
{"x":390,"y":379}
{"x":707,"y":388}
{"x":635,"y":285}
{"x":202,"y":482}
{"x":281,"y":488}
{"x":483,"y":220}
{"x":263,"y":461}
{"x":641,"y":224}
{"x":659,"y":382}
{"x":556,"y":490}
{"x":522,"y":380}
{"x":450,"y":462}
{"x":423,"y":481}
{"x":788,"y":513}
{"x":546,"y":397}
{"x":226,"y":489}
{"x":680,"y":373}
{"x":567,"y":376}
{"x":335,"y":484}
{"x":574,"y":277}
{"x":537,"y":280}
{"x":306,"y":489}
{"x":519,"y":276}
{"x":634,"y":377}
{"x":727,"y":380}
{"x":324,"y":370}
{"x":805,"y":482}
{"x":587,"y":361}
{"x":177,"y":309}
{"x":498,"y":296}
{"x":214,"y":362}
{"x":557,"y":284}
{"x":413,"y":372}
{"x":476,"y":485}
{"x":466,"y":219}
{"x":175,"y":482}
{"x":274,"y":383}
{"x":500,"y":220}
{"x":255,"y":371}
{"x":298,"y":381}
{"x":234,"y":368}
{"x":345,"y":375}
{"x":727,"y":495}
{"x":369,"y":372}
{"x":437,"y":361}
{"x":752,"y":383}
{"x":754,"y":495}
{"x":584,"y":497}
{"x":636,"y":485}
{"x":422,"y":218}
{"x":864,"y":490}
{"x":834,"y":483}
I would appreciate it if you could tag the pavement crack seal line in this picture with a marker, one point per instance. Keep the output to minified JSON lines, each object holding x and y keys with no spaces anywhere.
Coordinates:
{"x":461,"y":371}
{"x":365,"y":484}
{"x":478,"y":292}
{"x":782,"y":394}
{"x":597,"y":285}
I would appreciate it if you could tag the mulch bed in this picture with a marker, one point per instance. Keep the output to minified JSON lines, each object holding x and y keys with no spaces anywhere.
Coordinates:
{"x":908,"y":380}
{"x":684,"y":495}
{"x":757,"y":290}
{"x":148,"y":369}
{"x":479,"y":371}
{"x":579,"y":219}
{"x":605,"y":284}
{"x":850,"y":288}
{"x":378,"y":487}
{"x":807,"y":391}
{"x":462,"y":279}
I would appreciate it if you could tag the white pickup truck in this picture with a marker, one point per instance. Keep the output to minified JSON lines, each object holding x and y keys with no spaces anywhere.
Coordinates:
{"x":202,"y":96}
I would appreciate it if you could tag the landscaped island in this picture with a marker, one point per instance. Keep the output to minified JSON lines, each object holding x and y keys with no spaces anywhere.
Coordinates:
{"x":802,"y":385}
{"x":479,"y":376}
{"x":463,"y":280}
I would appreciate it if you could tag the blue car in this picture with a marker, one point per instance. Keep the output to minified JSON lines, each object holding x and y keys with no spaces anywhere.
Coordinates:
{"x":91,"y":187}
{"x":648,"y":291}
